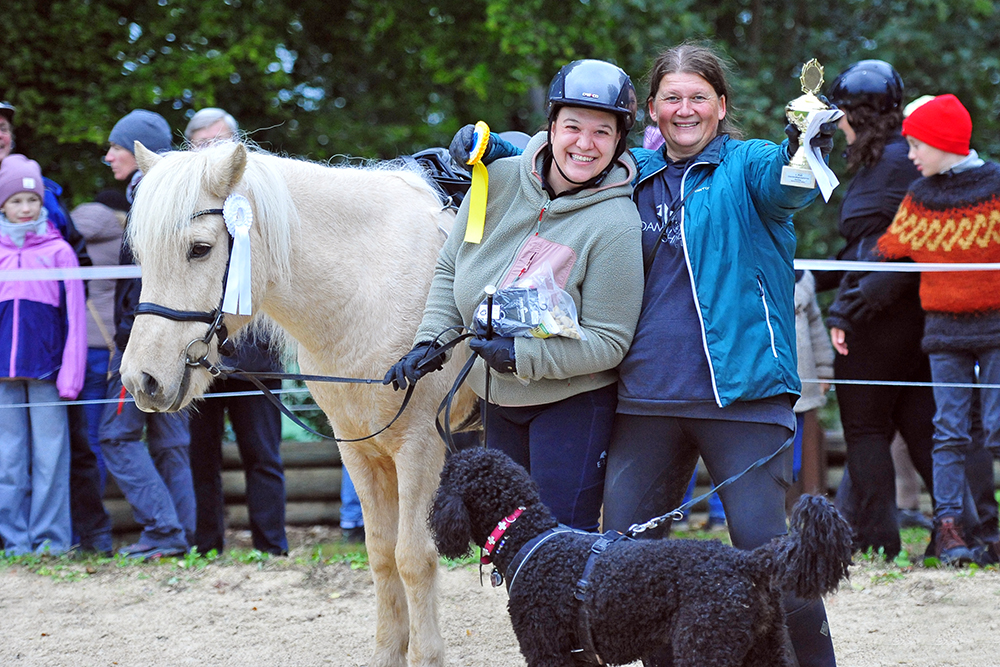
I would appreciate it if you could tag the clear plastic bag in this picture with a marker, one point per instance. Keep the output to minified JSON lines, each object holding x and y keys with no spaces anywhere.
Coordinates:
{"x":533,"y":307}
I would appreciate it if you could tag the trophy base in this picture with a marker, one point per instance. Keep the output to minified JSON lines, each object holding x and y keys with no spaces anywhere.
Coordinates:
{"x":799,"y":178}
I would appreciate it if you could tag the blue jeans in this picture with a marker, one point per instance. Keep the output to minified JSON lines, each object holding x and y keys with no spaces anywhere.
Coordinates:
{"x":350,"y":504}
{"x":563,"y":446}
{"x":257,"y":425}
{"x":953,"y":420}
{"x":95,"y":387}
{"x":34,"y":469}
{"x":154,"y":476}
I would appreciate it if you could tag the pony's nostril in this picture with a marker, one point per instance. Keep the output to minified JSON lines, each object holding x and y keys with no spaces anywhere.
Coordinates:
{"x":149,"y":385}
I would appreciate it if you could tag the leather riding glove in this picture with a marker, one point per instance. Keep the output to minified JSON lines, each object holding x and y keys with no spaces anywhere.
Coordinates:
{"x":410,"y":369}
{"x":498,"y":353}
{"x":823,"y":139}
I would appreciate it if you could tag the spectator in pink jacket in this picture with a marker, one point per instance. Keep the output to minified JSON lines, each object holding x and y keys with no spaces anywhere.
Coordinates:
{"x":43,"y":348}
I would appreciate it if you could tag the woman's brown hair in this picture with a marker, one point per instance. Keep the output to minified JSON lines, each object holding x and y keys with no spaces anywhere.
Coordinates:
{"x":872,"y":129}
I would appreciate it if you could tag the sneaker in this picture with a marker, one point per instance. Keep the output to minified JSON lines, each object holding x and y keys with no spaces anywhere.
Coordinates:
{"x":913,"y":519}
{"x":141,"y":551}
{"x":951,"y":548}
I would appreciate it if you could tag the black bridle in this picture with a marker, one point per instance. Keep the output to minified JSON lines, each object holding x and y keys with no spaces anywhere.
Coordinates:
{"x":214,"y":318}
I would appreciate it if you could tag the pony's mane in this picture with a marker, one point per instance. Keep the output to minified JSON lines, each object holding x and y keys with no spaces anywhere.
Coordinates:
{"x":169,"y":194}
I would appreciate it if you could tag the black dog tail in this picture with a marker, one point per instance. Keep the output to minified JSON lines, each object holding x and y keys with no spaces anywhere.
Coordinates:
{"x":813,"y":558}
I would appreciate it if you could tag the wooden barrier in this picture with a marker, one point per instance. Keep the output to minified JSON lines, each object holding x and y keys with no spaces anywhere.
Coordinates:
{"x":312,"y":487}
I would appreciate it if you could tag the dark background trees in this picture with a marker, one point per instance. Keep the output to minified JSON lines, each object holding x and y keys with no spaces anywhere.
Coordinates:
{"x":324,"y":79}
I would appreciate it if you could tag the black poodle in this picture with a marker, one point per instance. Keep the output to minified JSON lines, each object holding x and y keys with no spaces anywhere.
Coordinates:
{"x":710,"y":604}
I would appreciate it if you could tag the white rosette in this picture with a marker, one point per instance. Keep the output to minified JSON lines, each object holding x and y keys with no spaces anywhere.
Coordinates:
{"x":238,"y":217}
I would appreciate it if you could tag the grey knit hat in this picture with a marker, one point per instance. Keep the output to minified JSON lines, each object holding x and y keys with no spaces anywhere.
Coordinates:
{"x":148,"y":127}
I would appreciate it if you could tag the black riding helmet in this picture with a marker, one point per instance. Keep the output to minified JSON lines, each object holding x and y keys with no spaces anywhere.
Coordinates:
{"x":872,"y":83}
{"x":595,"y":84}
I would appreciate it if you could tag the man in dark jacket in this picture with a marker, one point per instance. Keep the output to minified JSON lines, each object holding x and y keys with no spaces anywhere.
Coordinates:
{"x":154,"y":476}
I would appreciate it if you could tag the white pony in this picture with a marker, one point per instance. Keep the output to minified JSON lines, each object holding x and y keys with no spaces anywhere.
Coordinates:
{"x":342,"y":259}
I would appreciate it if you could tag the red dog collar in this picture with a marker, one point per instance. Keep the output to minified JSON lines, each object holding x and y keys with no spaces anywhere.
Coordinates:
{"x":494,"y":538}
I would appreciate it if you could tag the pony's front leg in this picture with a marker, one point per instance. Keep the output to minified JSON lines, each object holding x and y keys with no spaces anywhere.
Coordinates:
{"x":418,"y":467}
{"x":375,"y":481}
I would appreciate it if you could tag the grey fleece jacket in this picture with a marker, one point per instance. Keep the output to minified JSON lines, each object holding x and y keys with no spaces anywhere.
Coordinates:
{"x":592,"y":241}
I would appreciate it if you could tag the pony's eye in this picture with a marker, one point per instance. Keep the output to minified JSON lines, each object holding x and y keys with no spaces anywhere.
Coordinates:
{"x":199,"y":250}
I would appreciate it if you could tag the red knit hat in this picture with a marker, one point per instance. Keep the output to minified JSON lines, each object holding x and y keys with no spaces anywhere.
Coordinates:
{"x":942,"y":123}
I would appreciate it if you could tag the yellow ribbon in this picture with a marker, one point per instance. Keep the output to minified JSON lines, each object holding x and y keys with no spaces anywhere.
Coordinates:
{"x":480,"y":185}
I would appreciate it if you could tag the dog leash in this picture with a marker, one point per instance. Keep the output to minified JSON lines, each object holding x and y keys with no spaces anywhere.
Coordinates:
{"x":677,"y":514}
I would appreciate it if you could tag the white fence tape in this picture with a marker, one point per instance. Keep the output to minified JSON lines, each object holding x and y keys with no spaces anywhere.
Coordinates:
{"x":115,"y":272}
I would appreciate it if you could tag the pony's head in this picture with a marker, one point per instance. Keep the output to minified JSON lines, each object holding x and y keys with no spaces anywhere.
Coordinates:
{"x":180,"y":240}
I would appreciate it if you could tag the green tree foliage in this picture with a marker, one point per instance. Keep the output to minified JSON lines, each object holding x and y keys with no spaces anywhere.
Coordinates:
{"x":379,"y":78}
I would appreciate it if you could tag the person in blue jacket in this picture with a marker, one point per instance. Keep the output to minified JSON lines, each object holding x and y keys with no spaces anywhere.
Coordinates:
{"x":712,"y":368}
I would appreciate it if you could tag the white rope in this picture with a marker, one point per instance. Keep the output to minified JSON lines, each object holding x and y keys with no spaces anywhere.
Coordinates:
{"x":116,"y":272}
{"x":128,"y":399}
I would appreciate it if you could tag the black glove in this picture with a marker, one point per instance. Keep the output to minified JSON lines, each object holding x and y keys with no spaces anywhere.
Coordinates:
{"x":409,"y":367}
{"x":497,"y":352}
{"x":823,"y":139}
{"x":461,"y":145}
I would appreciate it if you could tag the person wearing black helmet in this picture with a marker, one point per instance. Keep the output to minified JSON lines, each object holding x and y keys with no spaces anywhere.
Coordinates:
{"x":876,"y":321}
{"x":564,"y":203}
{"x":711,"y":370}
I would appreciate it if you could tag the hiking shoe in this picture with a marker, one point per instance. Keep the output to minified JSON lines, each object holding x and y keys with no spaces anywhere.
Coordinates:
{"x":913,"y":519}
{"x":951,"y":548}
{"x":141,"y":551}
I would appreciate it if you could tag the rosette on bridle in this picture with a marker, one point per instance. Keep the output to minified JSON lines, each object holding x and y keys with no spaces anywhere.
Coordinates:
{"x":238,"y":217}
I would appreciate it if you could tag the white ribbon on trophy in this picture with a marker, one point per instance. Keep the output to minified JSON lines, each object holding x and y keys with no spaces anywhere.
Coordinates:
{"x":238,"y":216}
{"x":825,"y":178}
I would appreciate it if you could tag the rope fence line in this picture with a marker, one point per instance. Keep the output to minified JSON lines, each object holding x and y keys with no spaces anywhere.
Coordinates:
{"x":131,"y":271}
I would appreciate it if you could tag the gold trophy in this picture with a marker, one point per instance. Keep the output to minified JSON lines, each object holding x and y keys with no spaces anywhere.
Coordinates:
{"x":798,"y":173}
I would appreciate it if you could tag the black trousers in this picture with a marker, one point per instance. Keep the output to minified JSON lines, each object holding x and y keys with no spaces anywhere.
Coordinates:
{"x":887,"y":349}
{"x":257,"y":425}
{"x":650,"y":462}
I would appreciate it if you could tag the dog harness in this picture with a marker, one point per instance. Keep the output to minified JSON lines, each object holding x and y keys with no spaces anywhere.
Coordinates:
{"x":587,"y":652}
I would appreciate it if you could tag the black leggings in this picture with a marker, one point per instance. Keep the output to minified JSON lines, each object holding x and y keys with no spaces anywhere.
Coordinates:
{"x":650,"y":462}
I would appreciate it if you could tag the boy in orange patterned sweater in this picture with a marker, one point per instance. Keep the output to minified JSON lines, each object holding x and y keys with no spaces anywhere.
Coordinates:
{"x":953,"y":215}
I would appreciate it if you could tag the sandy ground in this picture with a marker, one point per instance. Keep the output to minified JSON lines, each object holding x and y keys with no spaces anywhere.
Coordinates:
{"x":294,"y":612}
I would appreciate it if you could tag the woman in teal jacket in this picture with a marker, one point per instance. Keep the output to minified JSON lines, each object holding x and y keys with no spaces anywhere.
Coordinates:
{"x":712,"y":369}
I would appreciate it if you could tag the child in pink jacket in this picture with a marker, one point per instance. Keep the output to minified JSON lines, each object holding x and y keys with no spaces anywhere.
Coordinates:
{"x":43,"y":352}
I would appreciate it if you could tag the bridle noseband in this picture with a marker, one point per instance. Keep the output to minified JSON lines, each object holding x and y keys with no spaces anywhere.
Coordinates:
{"x":214,"y":318}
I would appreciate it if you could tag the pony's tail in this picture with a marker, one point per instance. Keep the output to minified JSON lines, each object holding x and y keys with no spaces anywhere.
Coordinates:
{"x":814,"y":557}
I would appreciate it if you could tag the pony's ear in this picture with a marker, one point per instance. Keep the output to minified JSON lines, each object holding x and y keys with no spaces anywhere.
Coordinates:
{"x":145,"y":158}
{"x":228,"y":171}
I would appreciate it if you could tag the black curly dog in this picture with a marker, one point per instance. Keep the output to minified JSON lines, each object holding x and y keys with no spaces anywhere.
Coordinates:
{"x":708,"y":603}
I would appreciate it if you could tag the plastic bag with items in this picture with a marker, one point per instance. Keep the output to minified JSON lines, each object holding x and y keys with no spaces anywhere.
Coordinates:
{"x":533,"y":307}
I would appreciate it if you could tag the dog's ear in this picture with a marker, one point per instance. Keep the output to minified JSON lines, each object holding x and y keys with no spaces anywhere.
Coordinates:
{"x":450,"y":524}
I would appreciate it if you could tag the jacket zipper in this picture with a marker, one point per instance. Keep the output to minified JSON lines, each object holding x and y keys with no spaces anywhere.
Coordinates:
{"x":538,"y":229}
{"x":16,"y":317}
{"x":767,"y":315}
{"x":694,"y":289}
